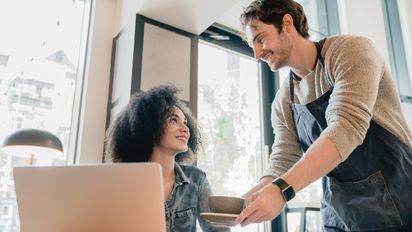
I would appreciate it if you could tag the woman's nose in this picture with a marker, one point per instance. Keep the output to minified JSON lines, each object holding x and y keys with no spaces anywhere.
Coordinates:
{"x":184,"y":127}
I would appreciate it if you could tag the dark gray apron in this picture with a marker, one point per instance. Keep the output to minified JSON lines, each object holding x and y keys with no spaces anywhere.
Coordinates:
{"x":372,"y":189}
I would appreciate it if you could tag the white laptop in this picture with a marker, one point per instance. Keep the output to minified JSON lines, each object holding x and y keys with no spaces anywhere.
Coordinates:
{"x":93,"y":198}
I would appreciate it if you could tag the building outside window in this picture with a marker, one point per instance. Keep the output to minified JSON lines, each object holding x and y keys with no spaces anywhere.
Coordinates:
{"x":39,"y":80}
{"x":319,"y":28}
{"x":229,"y":111}
{"x":229,"y":114}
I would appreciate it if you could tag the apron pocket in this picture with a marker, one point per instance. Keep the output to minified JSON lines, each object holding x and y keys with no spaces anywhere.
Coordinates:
{"x":361,"y":205}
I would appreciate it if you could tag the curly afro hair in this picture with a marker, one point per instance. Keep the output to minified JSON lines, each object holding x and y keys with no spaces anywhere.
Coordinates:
{"x":140,"y":126}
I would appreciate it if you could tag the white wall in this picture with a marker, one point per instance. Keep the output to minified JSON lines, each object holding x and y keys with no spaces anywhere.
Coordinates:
{"x":365,"y":17}
{"x":405,"y":9}
{"x":362,"y":17}
{"x":108,"y":18}
{"x":104,"y":24}
{"x":128,"y":10}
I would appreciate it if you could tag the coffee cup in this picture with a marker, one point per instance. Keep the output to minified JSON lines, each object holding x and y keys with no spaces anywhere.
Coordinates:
{"x":226,"y":204}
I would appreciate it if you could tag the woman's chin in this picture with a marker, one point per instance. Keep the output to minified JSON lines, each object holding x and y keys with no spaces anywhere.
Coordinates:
{"x":181,"y":150}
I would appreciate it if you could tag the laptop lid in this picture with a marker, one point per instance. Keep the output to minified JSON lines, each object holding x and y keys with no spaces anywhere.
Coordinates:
{"x":105,"y":197}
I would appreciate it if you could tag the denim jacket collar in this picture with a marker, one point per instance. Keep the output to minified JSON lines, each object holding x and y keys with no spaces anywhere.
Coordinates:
{"x":180,"y":176}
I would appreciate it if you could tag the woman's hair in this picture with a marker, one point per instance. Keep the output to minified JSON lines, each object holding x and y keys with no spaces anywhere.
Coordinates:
{"x":272,"y":12}
{"x":140,"y":126}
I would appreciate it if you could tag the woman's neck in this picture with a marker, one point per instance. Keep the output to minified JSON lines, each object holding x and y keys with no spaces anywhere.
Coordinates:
{"x":167,"y":161}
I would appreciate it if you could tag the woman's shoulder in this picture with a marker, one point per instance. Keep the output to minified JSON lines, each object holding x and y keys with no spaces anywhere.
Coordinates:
{"x":194,"y":174}
{"x":192,"y":170}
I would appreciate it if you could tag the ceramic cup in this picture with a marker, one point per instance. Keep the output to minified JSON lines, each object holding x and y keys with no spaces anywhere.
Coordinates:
{"x":226,"y":204}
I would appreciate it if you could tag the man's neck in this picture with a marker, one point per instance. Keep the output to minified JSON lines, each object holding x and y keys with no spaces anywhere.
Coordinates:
{"x":303,"y":58}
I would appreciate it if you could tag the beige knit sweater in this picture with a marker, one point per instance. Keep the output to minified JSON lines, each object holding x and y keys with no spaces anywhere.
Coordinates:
{"x":363,"y":90}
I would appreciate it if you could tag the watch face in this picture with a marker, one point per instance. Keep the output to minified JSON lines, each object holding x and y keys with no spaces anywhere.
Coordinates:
{"x":288,"y":193}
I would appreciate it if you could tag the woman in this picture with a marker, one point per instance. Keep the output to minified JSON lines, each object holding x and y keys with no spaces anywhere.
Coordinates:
{"x":157,"y":127}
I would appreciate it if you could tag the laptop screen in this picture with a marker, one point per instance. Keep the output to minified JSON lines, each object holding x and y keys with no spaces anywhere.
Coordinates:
{"x":103,"y":197}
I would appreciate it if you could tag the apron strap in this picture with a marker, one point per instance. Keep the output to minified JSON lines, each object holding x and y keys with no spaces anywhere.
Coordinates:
{"x":291,"y":88}
{"x":319,"y":46}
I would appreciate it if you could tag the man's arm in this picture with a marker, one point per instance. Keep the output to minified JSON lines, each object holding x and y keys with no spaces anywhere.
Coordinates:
{"x":286,"y":150}
{"x":249,"y":196}
{"x":320,"y":159}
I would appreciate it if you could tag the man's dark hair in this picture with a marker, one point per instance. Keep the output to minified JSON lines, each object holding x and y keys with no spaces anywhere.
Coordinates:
{"x":140,"y":126}
{"x":272,"y":12}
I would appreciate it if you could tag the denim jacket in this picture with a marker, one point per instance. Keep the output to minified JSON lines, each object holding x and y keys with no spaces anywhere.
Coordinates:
{"x":187,"y":200}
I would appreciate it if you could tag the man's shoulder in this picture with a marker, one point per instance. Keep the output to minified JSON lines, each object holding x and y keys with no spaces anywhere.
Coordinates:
{"x":347,"y":47}
{"x":346,"y":42}
{"x":346,"y":38}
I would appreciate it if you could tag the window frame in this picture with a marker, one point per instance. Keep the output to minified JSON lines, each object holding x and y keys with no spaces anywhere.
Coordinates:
{"x":269,"y":81}
{"x":72,"y":150}
{"x":79,"y":75}
{"x":396,"y":49}
{"x":268,"y":85}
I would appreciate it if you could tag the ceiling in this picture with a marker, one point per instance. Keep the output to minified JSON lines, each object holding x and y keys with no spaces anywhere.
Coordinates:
{"x":231,"y":18}
{"x":194,"y":16}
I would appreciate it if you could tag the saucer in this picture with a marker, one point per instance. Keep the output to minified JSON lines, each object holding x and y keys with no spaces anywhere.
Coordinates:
{"x":221,"y":219}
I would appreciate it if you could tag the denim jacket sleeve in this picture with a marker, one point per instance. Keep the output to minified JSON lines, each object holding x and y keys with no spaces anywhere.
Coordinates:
{"x":204,"y":192}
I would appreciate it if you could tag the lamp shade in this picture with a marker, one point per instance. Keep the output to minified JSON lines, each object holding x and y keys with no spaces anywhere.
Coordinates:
{"x":26,"y":142}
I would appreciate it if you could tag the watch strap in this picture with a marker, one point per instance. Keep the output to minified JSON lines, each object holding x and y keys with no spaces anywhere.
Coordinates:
{"x":287,"y":191}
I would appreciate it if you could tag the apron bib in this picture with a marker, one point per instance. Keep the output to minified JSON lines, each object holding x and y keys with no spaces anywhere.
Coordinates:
{"x":372,"y":189}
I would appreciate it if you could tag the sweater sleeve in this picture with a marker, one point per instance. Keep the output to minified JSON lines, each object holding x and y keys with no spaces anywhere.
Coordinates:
{"x":355,"y":67}
{"x":286,"y":150}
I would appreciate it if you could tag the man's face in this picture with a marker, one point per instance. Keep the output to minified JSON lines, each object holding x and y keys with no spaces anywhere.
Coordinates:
{"x":269,"y":44}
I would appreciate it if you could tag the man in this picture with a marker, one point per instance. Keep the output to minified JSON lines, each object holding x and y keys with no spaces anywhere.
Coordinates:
{"x":338,"y":117}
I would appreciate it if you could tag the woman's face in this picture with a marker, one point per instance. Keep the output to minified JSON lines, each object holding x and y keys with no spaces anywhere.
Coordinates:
{"x":176,"y":134}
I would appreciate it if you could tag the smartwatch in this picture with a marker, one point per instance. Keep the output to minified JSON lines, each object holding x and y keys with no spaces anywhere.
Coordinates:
{"x":287,"y":191}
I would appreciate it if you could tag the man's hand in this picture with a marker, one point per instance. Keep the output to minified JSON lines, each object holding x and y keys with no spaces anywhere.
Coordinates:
{"x":251,"y":194}
{"x":265,"y":205}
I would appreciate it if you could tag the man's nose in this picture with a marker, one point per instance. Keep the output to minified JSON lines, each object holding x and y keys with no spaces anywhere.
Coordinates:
{"x":257,"y":52}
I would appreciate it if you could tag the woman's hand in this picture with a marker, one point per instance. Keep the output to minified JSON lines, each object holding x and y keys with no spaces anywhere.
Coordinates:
{"x":264,"y":205}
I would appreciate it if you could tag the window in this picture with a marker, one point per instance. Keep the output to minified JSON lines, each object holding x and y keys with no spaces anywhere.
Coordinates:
{"x":40,"y":52}
{"x":396,"y":36}
{"x":229,"y":114}
{"x":323,"y":21}
{"x":234,"y":97}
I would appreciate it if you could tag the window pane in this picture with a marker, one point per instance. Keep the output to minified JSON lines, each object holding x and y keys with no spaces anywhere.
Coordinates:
{"x":317,"y":20}
{"x":229,"y":113}
{"x":39,"y":56}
